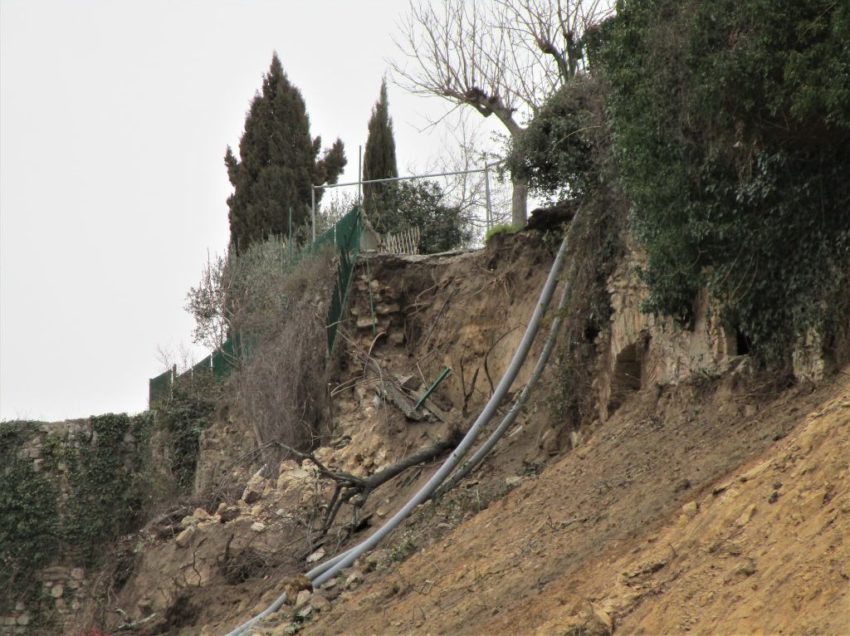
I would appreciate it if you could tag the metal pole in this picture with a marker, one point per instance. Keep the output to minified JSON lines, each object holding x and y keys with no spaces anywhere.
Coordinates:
{"x":487,"y":192}
{"x":417,"y":176}
{"x":359,"y":174}
{"x":313,"y":213}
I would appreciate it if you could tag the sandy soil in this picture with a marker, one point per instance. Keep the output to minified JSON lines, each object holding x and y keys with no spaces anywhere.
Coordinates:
{"x":684,"y":513}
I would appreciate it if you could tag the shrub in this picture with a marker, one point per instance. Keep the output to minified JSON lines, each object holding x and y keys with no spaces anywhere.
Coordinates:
{"x":282,"y":388}
{"x":422,"y":204}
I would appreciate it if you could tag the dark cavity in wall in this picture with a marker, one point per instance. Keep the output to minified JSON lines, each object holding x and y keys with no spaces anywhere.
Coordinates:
{"x":627,"y":374}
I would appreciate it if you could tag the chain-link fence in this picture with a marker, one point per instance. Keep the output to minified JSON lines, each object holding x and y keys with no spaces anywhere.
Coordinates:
{"x":345,"y":236}
{"x":448,"y":210}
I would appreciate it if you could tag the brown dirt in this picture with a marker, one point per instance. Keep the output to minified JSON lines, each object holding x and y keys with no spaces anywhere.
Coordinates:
{"x":606,"y":537}
{"x":720,"y":505}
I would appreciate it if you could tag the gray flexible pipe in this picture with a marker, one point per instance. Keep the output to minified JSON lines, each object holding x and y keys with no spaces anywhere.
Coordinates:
{"x":329,"y":569}
{"x":511,"y":416}
{"x":456,"y":455}
{"x":505,"y":424}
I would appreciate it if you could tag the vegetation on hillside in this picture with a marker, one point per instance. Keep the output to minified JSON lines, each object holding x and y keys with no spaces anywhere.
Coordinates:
{"x":732,"y":136}
{"x":727,"y":128}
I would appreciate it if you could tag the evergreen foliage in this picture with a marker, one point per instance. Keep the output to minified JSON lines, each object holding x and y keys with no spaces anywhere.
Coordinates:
{"x":732,"y":136}
{"x":379,"y":162}
{"x":555,"y":151}
{"x":278,"y":162}
{"x":423,"y":205}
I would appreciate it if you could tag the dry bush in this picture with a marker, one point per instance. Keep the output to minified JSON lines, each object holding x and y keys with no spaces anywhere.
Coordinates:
{"x":282,"y":386}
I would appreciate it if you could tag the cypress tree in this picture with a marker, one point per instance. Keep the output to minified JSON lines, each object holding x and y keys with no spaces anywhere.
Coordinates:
{"x":379,"y":163}
{"x":278,"y":162}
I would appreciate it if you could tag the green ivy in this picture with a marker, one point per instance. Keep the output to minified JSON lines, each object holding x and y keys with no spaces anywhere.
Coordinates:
{"x":184,"y":417}
{"x":29,"y":519}
{"x":501,"y":228}
{"x":732,"y":135}
{"x":109,"y":483}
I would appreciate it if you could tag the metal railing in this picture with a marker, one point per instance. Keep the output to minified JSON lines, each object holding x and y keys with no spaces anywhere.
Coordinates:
{"x":486,"y":170}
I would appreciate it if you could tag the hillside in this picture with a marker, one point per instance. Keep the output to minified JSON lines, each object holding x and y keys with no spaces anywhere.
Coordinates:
{"x":681,"y":514}
{"x":701,"y":495}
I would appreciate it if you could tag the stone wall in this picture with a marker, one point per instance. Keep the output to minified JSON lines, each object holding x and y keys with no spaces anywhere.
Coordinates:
{"x":641,"y":350}
{"x":66,"y":589}
{"x":63,"y":584}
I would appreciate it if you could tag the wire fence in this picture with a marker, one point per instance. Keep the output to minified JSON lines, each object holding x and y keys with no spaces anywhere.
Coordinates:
{"x":472,"y":194}
{"x":346,"y":236}
{"x":479,"y":198}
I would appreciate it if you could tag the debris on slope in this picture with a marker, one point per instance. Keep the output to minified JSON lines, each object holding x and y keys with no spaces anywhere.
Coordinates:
{"x":649,"y":527}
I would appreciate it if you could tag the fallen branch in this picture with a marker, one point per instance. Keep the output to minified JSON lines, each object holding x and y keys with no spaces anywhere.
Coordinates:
{"x":356,"y":490}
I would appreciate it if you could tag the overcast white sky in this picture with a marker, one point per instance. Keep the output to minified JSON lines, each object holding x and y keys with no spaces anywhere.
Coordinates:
{"x":114,"y":118}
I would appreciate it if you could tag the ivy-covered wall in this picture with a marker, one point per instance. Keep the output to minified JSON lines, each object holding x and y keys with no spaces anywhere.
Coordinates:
{"x":67,"y":490}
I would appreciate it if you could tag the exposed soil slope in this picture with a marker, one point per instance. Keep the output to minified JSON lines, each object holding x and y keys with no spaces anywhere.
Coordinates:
{"x":704,"y":501}
{"x":684,"y":512}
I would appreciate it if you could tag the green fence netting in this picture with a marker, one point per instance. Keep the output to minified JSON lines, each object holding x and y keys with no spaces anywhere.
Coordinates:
{"x":345,"y":236}
{"x":159,"y":388}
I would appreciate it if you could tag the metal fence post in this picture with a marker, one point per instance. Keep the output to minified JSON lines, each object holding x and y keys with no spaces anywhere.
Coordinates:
{"x":313,"y":210}
{"x":487,"y":192}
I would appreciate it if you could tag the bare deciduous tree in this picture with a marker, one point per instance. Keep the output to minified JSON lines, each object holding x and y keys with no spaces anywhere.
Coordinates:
{"x":502,"y":59}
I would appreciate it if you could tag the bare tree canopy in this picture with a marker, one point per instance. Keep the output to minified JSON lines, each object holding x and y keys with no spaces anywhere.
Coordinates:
{"x":502,"y":58}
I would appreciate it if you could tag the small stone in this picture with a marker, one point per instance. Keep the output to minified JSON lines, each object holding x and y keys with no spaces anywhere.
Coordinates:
{"x":747,"y":568}
{"x":229,"y":513}
{"x":257,"y":510}
{"x":78,"y":573}
{"x":745,"y":517}
{"x":303,"y":598}
{"x":57,"y":590}
{"x":200,"y":514}
{"x":365,"y":322}
{"x":320,"y":603}
{"x":19,"y":606}
{"x":185,"y":538}
{"x":690,"y":509}
{"x":188,"y":521}
{"x":513,"y":481}
{"x":384,"y":309}
{"x":258,"y":526}
{"x":318,"y":555}
{"x":23,"y":620}
{"x":774,"y":497}
{"x":304,"y":612}
{"x":353,"y":580}
{"x":373,"y":559}
{"x":251,"y":496}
